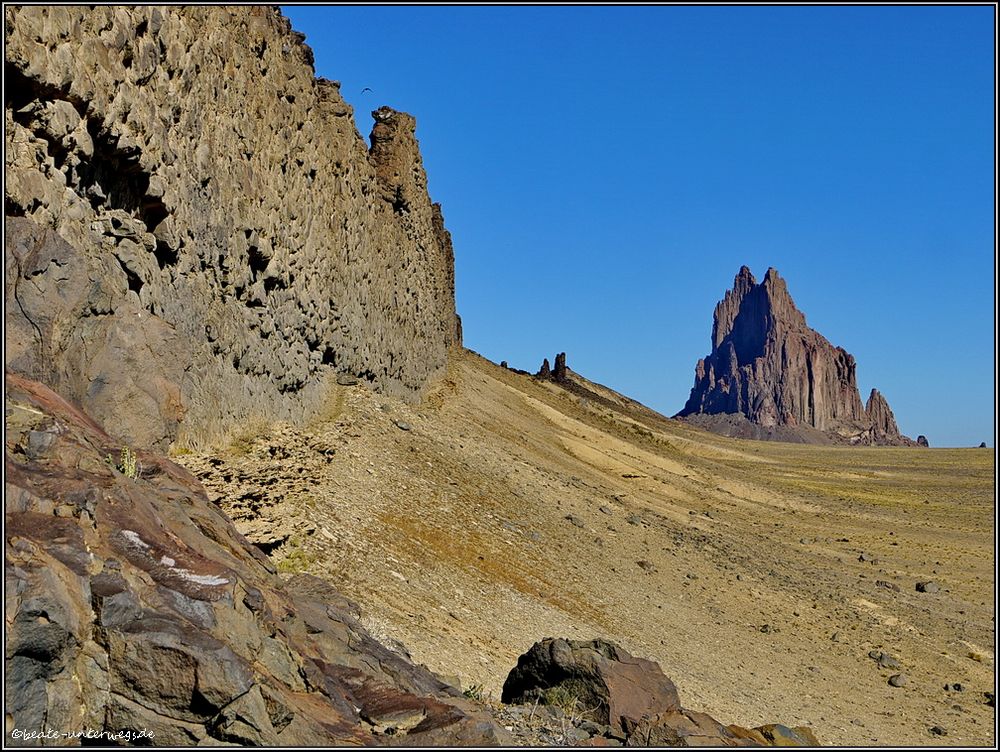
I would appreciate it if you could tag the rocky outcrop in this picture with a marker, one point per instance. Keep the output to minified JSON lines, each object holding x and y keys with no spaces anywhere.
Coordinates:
{"x":598,"y":674}
{"x":133,"y":605}
{"x":768,"y":367}
{"x":922,"y":441}
{"x":630,"y":697}
{"x":84,"y":335}
{"x":559,"y":371}
{"x":884,"y":428}
{"x":207,"y":182}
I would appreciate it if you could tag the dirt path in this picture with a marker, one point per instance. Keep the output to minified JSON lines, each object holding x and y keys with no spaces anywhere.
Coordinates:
{"x":502,"y":510}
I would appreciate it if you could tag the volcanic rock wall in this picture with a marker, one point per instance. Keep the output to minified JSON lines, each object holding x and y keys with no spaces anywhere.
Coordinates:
{"x":203,"y":180}
{"x":769,"y":367}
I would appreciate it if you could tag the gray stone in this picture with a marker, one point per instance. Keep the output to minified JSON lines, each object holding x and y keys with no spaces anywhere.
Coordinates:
{"x":273,"y":246}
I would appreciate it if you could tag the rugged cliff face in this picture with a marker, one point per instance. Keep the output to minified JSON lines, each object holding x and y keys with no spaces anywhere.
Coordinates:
{"x":203,"y":179}
{"x":769,"y":367}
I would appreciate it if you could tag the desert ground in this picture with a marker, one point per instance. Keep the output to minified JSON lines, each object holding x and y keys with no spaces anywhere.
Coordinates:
{"x":501,"y":510}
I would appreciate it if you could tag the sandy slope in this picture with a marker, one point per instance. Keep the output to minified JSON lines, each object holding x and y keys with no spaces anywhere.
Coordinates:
{"x":453,"y":536}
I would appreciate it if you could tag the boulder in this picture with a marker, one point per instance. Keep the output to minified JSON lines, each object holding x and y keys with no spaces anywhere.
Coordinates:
{"x":630,"y":695}
{"x":601,"y":676}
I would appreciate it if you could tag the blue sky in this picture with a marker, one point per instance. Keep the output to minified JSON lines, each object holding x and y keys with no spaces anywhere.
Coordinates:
{"x":605,"y":172}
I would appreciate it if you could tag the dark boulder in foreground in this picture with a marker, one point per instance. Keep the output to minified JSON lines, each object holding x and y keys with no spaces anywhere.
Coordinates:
{"x":599,"y":674}
{"x":630,"y":697}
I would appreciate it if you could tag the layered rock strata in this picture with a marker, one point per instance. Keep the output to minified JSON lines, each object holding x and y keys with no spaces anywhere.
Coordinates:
{"x":204,"y":177}
{"x":769,"y":367}
{"x":134,"y":606}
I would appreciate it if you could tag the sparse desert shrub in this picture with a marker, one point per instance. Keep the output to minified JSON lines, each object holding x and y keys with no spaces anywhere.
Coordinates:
{"x":128,"y":464}
{"x":240,"y":439}
{"x":560,"y":696}
{"x":475,"y":692}
{"x":298,"y":559}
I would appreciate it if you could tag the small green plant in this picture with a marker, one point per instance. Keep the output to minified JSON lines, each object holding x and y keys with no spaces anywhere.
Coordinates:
{"x":561,"y":697}
{"x":128,"y":464}
{"x":475,"y":692}
{"x":297,"y":558}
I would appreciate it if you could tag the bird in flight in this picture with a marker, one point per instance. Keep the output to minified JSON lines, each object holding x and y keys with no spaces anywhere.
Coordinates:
{"x":367,"y":89}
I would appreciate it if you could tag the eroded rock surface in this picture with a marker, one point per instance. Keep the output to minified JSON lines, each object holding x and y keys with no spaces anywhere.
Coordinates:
{"x":207,"y":181}
{"x":785,"y":379}
{"x":133,"y":604}
{"x":628,"y":698}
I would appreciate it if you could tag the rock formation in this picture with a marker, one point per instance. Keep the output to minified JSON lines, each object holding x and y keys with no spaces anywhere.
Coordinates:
{"x":884,"y":428}
{"x":767,"y":368}
{"x":559,"y":371}
{"x":204,"y":180}
{"x":133,"y":604}
{"x":922,"y":441}
{"x":630,"y":696}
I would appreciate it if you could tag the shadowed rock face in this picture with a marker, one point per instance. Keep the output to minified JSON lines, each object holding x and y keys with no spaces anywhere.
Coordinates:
{"x":133,"y":603}
{"x":768,"y":366}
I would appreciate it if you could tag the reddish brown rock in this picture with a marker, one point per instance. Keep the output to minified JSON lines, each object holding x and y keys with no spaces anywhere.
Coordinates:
{"x":884,"y":428}
{"x":769,"y":369}
{"x":599,"y":674}
{"x":630,"y":695}
{"x":134,"y":604}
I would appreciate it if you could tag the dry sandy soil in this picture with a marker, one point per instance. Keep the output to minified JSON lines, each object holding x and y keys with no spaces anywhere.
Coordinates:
{"x":759,"y":575}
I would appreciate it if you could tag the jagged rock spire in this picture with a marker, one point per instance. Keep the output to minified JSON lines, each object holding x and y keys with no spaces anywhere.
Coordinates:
{"x":769,"y":366}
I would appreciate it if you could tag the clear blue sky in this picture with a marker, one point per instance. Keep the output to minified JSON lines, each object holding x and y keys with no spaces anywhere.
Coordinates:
{"x":606,"y":171}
